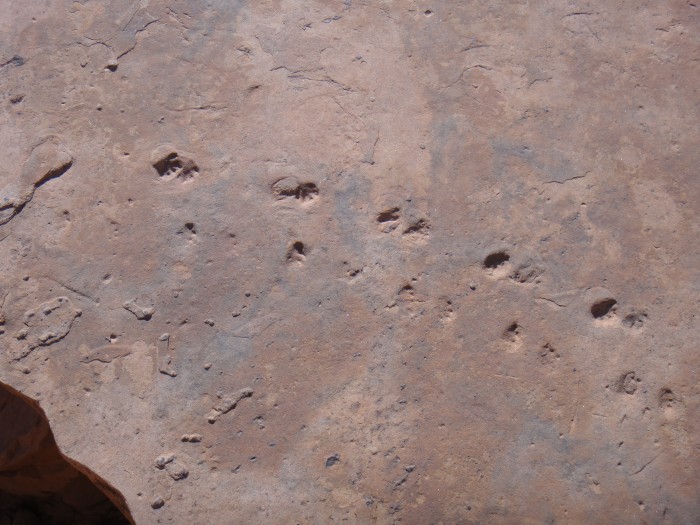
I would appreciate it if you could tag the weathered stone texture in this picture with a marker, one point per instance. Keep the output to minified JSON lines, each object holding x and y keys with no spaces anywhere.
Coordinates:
{"x":387,"y":261}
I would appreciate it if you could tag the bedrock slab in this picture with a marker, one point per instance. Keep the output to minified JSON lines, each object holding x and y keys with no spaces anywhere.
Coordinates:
{"x":360,"y":261}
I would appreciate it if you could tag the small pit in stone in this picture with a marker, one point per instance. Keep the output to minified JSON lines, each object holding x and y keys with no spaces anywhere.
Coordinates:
{"x":496,"y":259}
{"x":549,"y":353}
{"x":512,"y":330}
{"x":306,"y":191}
{"x":406,"y":291}
{"x":167,"y":165}
{"x":602,"y":308}
{"x":512,"y":334}
{"x":389,"y":215}
{"x":421,"y":226}
{"x":290,"y":187}
{"x":173,"y":166}
{"x":527,"y":273}
{"x":627,"y":383}
{"x":296,"y":252}
{"x":332,"y":460}
{"x":666,"y":398}
{"x":635,"y":319}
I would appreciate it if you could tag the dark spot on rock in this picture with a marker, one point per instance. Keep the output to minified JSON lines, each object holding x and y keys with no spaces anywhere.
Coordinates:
{"x":391,"y":214}
{"x":296,"y":252}
{"x":513,"y":328}
{"x":421,"y":226}
{"x":635,"y":319}
{"x":306,"y":191}
{"x":332,"y":460}
{"x":548,"y":353}
{"x":602,"y":308}
{"x":38,"y":483}
{"x":290,"y":187}
{"x":496,"y":259}
{"x":172,"y":165}
{"x":666,"y":398}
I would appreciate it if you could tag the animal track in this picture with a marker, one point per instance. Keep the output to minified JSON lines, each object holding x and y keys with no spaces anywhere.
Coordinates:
{"x":389,"y":219}
{"x":527,"y":272}
{"x":406,"y":293}
{"x":666,"y":398}
{"x":286,"y":187}
{"x":408,"y":302}
{"x":635,"y":319}
{"x":420,"y":227}
{"x":512,"y":333}
{"x":627,"y":383}
{"x":447,"y":315}
{"x":390,"y":215}
{"x":512,"y":336}
{"x":603,"y":309}
{"x":170,"y":165}
{"x":332,"y":460}
{"x":496,"y":259}
{"x":307,"y":191}
{"x":296,"y":252}
{"x":549,"y":354}
{"x":290,"y":187}
{"x":190,"y":230}
{"x":353,"y":272}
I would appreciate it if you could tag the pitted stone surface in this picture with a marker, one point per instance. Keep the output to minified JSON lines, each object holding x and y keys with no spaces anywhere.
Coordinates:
{"x":421,"y":262}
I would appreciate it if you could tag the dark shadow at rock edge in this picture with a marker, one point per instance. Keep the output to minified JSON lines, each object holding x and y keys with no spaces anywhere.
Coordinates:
{"x":38,"y":484}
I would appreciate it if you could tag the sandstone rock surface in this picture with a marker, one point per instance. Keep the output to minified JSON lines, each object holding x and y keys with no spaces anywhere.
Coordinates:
{"x":357,"y":261}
